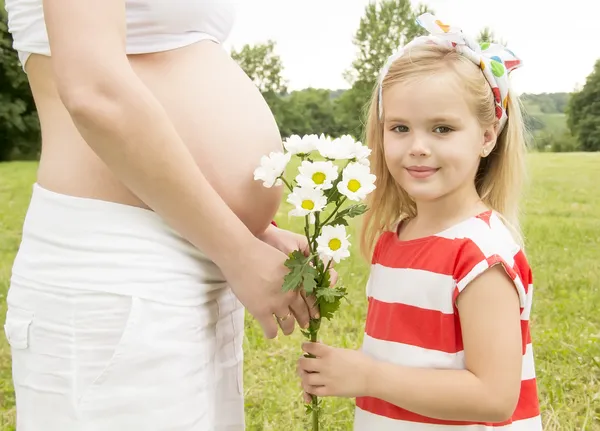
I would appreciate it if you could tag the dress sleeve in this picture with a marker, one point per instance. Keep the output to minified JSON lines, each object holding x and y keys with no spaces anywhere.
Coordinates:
{"x":474,"y":259}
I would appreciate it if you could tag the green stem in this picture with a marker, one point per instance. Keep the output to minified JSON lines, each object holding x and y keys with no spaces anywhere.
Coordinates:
{"x":318,"y":226}
{"x":324,"y":272}
{"x":315,"y":401}
{"x":287,"y":184}
{"x":314,"y":238}
{"x":335,"y":210}
{"x":307,"y":233}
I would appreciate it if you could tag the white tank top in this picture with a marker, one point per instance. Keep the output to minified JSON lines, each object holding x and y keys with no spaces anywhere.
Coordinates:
{"x":152,"y":25}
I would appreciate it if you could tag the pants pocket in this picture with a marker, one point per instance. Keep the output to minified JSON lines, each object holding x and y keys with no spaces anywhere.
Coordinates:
{"x":16,"y":327}
{"x":17,"y":330}
{"x":94,"y":370}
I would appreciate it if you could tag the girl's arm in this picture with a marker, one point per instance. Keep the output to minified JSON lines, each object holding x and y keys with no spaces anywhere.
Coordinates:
{"x":486,"y":391}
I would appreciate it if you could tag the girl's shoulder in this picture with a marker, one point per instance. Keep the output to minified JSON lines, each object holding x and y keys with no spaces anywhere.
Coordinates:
{"x":487,"y":241}
{"x":475,"y":243}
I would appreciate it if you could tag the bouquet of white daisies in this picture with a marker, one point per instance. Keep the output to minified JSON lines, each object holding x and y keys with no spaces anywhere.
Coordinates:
{"x":332,"y":174}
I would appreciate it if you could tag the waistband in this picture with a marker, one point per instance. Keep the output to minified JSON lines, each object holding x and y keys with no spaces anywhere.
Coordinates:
{"x":82,"y":243}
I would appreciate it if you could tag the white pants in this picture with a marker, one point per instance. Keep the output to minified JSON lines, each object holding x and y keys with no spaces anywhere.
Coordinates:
{"x":116,"y":323}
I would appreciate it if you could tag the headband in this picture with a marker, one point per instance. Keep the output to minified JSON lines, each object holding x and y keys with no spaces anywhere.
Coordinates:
{"x":495,"y":60}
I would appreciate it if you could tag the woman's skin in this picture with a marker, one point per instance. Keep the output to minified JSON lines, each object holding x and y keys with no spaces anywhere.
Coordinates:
{"x":179,"y":132}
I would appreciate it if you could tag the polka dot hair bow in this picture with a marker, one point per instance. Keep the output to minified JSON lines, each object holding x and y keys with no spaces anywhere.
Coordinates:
{"x":495,"y":60}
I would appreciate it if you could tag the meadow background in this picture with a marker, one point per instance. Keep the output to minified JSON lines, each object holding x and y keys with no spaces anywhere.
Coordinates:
{"x":562,"y":228}
{"x":561,"y":224}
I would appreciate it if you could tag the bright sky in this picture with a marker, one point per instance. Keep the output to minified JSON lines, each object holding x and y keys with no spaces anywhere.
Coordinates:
{"x":314,"y":37}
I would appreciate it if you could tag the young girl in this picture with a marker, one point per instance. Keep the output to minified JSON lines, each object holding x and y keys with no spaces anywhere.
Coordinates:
{"x":447,"y":342}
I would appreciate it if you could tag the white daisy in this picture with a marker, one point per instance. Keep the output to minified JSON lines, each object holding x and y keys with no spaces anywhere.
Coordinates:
{"x":333,"y":243}
{"x":306,"y":201}
{"x":357,"y":182}
{"x":362,"y":153}
{"x":318,"y":175}
{"x":271,"y":168}
{"x":301,"y":145}
{"x":340,"y":148}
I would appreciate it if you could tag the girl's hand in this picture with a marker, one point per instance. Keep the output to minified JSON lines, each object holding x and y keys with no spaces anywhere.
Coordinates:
{"x":334,"y":372}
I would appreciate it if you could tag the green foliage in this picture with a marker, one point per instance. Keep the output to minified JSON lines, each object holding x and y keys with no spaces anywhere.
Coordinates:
{"x":548,"y":103}
{"x":330,"y":300}
{"x":385,"y":26}
{"x":488,"y":35}
{"x":350,"y":212}
{"x":262,"y":65}
{"x":19,"y":124}
{"x":307,"y":111}
{"x":557,"y":143}
{"x":301,"y":275}
{"x":584,"y":112}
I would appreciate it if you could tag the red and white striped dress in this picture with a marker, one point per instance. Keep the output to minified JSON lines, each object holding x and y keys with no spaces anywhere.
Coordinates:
{"x":412,"y":318}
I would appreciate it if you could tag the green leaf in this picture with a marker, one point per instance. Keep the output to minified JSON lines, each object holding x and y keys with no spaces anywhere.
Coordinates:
{"x":339,"y":220}
{"x":350,"y":212}
{"x":330,"y":294}
{"x":330,"y":300}
{"x":301,"y":274}
{"x":309,"y":407}
{"x":309,"y":279}
{"x":328,"y":309}
{"x":297,"y":263}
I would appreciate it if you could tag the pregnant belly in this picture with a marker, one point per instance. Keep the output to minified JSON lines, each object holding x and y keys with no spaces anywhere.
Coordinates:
{"x":223,"y":119}
{"x":217,"y":111}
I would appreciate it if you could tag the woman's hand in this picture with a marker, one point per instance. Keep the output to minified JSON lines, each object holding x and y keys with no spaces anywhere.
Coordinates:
{"x":334,"y":372}
{"x":284,"y":240}
{"x":258,"y":282}
{"x":256,"y":278}
{"x":287,"y":241}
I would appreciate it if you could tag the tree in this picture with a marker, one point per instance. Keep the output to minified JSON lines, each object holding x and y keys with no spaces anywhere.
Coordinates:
{"x":19,"y":124}
{"x":487,"y":35}
{"x":584,"y":112}
{"x":263,"y":66}
{"x":549,"y":103}
{"x":385,"y":26}
{"x":308,"y":111}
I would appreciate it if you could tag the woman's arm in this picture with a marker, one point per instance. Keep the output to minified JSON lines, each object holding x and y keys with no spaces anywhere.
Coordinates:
{"x":128,"y":129}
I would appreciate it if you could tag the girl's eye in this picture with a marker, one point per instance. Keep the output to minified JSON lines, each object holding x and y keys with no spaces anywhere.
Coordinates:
{"x":442,"y":129}
{"x":400,"y":129}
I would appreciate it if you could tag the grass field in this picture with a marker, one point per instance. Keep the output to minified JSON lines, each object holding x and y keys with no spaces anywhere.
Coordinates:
{"x":562,"y":227}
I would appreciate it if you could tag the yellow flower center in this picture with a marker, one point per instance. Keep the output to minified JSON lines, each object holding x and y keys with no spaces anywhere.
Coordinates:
{"x":353,"y":185}
{"x":318,"y":177}
{"x":308,"y":204}
{"x":334,"y":244}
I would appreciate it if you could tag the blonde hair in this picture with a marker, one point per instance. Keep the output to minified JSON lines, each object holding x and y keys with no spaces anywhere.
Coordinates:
{"x":499,"y":175}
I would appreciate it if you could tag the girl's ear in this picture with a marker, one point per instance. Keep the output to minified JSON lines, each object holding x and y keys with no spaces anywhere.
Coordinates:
{"x":490,"y":135}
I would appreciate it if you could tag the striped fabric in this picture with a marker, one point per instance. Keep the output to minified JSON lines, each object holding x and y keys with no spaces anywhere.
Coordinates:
{"x":412,"y":319}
